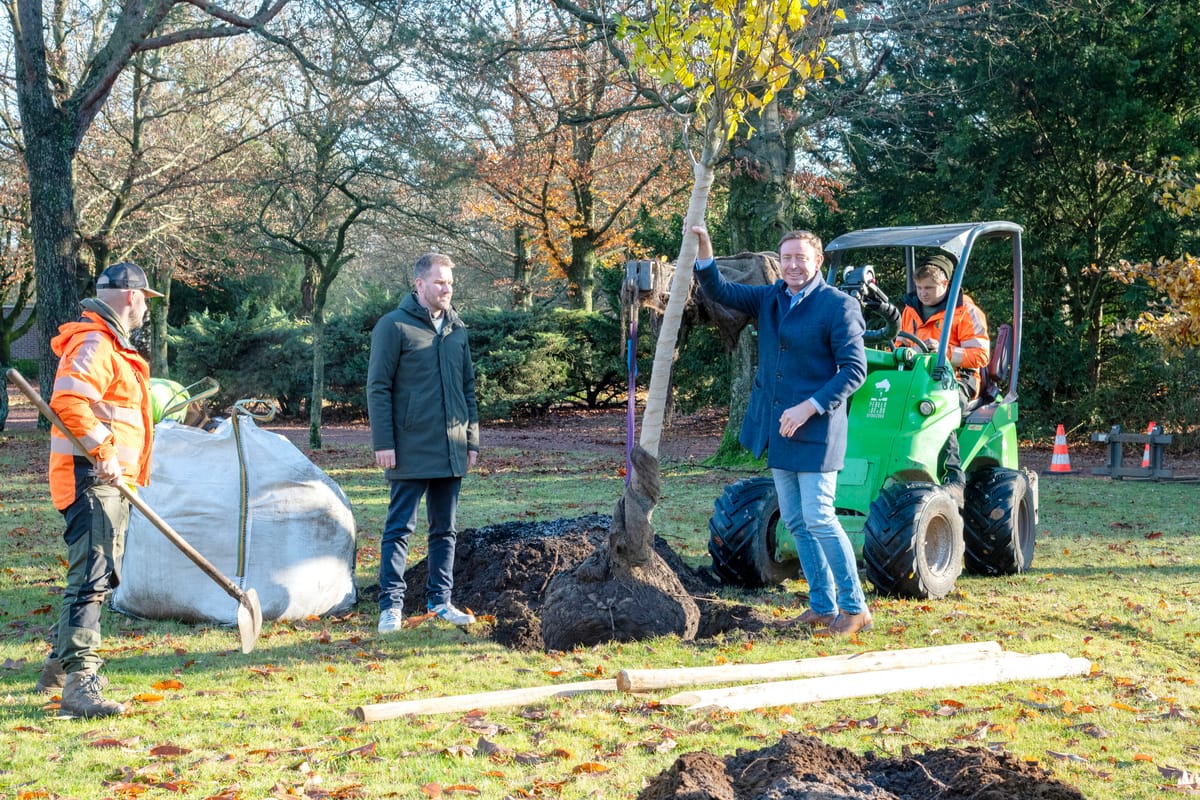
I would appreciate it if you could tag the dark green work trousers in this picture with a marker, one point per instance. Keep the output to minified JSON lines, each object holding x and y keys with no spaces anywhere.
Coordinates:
{"x":95,"y":537}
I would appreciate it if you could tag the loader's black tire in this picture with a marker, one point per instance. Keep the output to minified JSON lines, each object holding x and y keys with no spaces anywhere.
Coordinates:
{"x":741,"y":536}
{"x":1000,"y":521}
{"x":913,"y":541}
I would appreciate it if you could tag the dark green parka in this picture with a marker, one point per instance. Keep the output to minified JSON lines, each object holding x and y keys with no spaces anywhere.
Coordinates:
{"x":421,"y":393}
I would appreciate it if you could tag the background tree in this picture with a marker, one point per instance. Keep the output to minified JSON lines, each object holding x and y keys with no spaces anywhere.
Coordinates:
{"x":66,"y":65}
{"x":1029,"y":117}
{"x":1176,"y":317}
{"x":562,"y":152}
{"x":328,"y":173}
{"x":166,"y":161}
{"x":16,"y":258}
{"x":16,"y":267}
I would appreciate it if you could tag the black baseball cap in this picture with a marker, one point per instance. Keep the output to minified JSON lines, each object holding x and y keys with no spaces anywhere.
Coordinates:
{"x":126,"y":275}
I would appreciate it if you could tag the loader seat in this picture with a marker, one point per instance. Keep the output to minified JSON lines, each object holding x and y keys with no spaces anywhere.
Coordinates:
{"x":997,"y":372}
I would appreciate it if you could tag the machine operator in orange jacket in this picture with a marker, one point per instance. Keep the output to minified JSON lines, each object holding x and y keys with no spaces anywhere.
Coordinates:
{"x":101,"y":394}
{"x":924,"y":313}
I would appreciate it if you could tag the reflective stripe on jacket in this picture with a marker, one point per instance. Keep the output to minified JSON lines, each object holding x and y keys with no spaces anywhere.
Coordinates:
{"x":101,"y":394}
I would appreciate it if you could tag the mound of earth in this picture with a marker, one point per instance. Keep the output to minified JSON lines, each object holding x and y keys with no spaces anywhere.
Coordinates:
{"x":801,"y":767}
{"x":501,"y":573}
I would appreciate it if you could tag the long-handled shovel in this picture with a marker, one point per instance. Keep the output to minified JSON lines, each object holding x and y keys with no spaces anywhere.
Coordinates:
{"x":249,"y":615}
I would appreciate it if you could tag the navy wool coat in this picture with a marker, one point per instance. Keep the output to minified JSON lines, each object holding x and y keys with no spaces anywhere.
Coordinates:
{"x":814,"y":350}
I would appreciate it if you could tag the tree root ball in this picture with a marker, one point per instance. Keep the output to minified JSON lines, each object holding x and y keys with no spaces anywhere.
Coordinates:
{"x":623,"y":591}
{"x":502,"y":573}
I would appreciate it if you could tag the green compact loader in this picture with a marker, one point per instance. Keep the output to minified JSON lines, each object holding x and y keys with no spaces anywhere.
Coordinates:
{"x":908,"y":530}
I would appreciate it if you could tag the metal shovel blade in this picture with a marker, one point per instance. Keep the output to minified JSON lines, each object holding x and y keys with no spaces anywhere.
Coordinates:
{"x":249,"y":619}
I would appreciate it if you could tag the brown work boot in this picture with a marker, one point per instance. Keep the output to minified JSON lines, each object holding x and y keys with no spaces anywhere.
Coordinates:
{"x":82,"y":697}
{"x":810,"y":617}
{"x":53,"y":677}
{"x":850,"y":624}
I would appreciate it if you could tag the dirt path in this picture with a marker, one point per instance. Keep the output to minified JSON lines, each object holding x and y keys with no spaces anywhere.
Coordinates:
{"x":691,"y":437}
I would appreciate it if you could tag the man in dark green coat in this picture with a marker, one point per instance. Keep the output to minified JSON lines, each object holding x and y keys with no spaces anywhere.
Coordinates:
{"x":425,"y":433}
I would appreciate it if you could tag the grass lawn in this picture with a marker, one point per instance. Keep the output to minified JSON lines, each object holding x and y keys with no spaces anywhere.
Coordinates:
{"x":1114,"y":580}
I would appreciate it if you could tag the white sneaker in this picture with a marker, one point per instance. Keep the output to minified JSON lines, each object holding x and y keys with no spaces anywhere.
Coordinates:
{"x":451,"y":614}
{"x":391,"y":621}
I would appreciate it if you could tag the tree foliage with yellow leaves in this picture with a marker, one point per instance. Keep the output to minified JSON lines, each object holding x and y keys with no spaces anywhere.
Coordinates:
{"x":1174,"y":317}
{"x":714,"y":64}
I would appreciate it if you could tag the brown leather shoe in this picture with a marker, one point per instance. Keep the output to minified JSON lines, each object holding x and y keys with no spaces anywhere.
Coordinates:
{"x":850,"y":624}
{"x":54,"y":677}
{"x":810,"y":617}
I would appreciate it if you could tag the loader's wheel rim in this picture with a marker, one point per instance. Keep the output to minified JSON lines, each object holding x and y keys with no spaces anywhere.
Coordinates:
{"x":912,"y":542}
{"x":939,"y":544}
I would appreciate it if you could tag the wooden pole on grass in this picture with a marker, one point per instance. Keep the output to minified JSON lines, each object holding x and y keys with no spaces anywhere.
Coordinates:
{"x":645,"y":680}
{"x":1007,"y":667}
{"x":469,"y":702}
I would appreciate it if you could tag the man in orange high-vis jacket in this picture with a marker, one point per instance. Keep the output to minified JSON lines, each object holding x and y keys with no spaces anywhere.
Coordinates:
{"x":924,"y":314}
{"x":101,"y":394}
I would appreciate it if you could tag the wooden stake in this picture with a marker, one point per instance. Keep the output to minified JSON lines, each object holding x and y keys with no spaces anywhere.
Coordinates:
{"x":645,"y":680}
{"x":1007,"y":667}
{"x":468,"y":702}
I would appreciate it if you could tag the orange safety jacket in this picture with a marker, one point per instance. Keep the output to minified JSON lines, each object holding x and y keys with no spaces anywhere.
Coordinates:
{"x":101,"y":393}
{"x":968,"y":336}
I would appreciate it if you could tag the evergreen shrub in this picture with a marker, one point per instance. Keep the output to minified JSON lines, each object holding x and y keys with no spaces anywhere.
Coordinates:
{"x":253,"y":353}
{"x":521,"y":361}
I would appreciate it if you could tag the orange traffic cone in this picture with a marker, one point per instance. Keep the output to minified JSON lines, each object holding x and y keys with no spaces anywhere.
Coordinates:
{"x":1146,"y":449}
{"x":1061,"y":460}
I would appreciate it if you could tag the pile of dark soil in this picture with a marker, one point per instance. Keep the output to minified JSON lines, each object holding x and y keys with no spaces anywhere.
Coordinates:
{"x":501,"y":572}
{"x":801,"y":767}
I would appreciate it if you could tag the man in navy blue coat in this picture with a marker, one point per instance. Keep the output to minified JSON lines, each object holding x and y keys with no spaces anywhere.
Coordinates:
{"x":810,"y":360}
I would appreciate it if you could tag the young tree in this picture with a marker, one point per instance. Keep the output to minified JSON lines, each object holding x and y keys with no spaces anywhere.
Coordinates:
{"x":711,"y":64}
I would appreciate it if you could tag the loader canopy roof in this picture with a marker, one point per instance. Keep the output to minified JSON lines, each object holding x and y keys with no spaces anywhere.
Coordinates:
{"x":953,"y":239}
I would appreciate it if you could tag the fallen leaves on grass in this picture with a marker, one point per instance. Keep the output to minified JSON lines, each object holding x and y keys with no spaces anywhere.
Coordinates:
{"x":108,"y":742}
{"x":168,"y":751}
{"x":588,"y":768}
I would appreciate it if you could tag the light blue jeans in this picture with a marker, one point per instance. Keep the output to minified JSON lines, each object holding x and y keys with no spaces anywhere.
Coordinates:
{"x":806,"y":507}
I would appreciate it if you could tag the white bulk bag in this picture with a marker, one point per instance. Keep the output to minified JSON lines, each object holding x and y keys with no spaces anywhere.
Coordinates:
{"x":296,"y":550}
